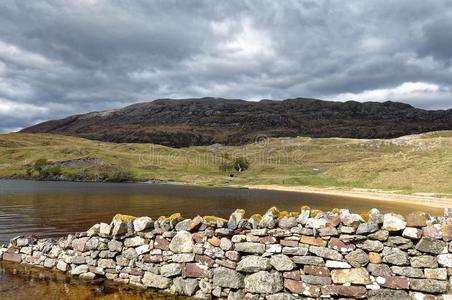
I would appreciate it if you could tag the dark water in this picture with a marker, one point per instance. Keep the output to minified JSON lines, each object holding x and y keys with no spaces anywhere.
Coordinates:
{"x":50,"y":209}
{"x":56,"y":208}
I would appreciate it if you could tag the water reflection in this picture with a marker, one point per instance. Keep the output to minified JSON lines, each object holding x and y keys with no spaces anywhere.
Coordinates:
{"x":57,"y":208}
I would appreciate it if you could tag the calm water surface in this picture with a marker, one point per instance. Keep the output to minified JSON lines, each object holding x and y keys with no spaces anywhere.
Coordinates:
{"x":50,"y":209}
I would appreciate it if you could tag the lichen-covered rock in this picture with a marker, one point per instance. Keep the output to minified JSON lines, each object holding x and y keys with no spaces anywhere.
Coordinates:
{"x":182,"y":242}
{"x":424,"y":261}
{"x":352,"y":276}
{"x":326,"y":253}
{"x":269,"y":218}
{"x":387,"y":294}
{"x":433,"y":246}
{"x":302,"y":288}
{"x":253,"y":263}
{"x":393,"y":222}
{"x":428,"y":285}
{"x":344,"y":291}
{"x":357,"y":258}
{"x":445,"y":260}
{"x":282,"y":262}
{"x":412,"y":233}
{"x":156,"y":281}
{"x":249,"y":247}
{"x":264,"y":282}
{"x":224,"y":277}
{"x":395,"y":256}
{"x":185,"y":287}
{"x":235,"y":218}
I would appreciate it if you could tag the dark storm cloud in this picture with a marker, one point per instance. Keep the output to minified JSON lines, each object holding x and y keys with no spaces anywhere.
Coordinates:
{"x":64,"y":57}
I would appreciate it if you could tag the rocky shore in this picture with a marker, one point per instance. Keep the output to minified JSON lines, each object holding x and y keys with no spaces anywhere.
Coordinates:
{"x":280,"y":255}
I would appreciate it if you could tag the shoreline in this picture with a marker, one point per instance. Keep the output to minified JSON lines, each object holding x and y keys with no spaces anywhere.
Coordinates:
{"x":434,"y":200}
{"x":421,"y":199}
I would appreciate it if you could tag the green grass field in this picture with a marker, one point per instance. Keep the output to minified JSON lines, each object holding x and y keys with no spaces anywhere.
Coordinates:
{"x":420,"y":163}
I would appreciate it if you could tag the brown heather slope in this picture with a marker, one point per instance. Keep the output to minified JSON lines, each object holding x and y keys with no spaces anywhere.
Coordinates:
{"x":206,"y":121}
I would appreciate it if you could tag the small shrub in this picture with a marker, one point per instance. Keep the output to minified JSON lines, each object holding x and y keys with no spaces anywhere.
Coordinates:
{"x":40,"y":164}
{"x":241,"y":164}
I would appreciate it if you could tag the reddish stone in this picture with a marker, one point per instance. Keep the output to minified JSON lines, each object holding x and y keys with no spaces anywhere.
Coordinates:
{"x":299,"y":287}
{"x":339,"y":245}
{"x":310,"y":240}
{"x":79,"y":244}
{"x":14,"y":257}
{"x":198,"y":237}
{"x":195,"y":224}
{"x":446,"y":229}
{"x":195,"y":270}
{"x":333,"y":220}
{"x":267,"y":240}
{"x":344,"y":291}
{"x":204,"y":260}
{"x":289,"y":243}
{"x":161,"y":243}
{"x":316,"y":271}
{"x":417,"y":219}
{"x":432,"y":231}
{"x":232,"y":255}
{"x":214,"y":241}
{"x":294,"y":275}
{"x":32,"y":260}
{"x":394,"y":282}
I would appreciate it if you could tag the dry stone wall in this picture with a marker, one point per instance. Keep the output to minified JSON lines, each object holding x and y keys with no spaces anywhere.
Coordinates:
{"x":280,"y":255}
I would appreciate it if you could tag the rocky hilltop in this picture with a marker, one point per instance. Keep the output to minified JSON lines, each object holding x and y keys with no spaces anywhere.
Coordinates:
{"x":205,"y":121}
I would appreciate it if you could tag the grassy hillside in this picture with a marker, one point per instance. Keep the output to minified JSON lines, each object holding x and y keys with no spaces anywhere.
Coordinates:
{"x":420,"y":163}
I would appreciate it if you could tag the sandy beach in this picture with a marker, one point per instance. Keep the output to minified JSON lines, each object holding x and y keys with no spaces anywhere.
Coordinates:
{"x":432,"y":200}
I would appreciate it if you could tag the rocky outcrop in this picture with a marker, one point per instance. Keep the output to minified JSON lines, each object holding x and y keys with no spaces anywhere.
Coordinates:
{"x":334,"y":254}
{"x":206,"y":121}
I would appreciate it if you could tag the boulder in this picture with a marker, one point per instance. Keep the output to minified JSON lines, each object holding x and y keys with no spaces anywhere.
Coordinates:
{"x":432,"y":246}
{"x":393,"y":222}
{"x":182,"y":242}
{"x":264,"y":282}
{"x":143,"y":223}
{"x":224,"y":277}
{"x":428,"y":285}
{"x":395,"y":256}
{"x":357,"y":258}
{"x":156,"y":281}
{"x":282,"y":262}
{"x":253,"y":263}
{"x":185,"y":287}
{"x":235,"y":218}
{"x":352,"y":276}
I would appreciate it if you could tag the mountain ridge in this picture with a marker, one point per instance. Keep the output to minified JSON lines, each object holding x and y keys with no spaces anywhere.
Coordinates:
{"x":204,"y":121}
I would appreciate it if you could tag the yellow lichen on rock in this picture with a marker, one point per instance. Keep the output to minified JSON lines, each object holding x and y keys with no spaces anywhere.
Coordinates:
{"x":282,"y":214}
{"x":274,"y":211}
{"x":123,"y":218}
{"x":214,"y":219}
{"x":315,"y":212}
{"x":365,"y":215}
{"x":176,"y":217}
{"x":295,"y":214}
{"x":240,"y":211}
{"x":335,"y":210}
{"x":305,"y":207}
{"x":256,"y":217}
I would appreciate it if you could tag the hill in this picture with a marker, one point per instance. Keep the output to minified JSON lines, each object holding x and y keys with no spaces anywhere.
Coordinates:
{"x":207,"y":121}
{"x":417,"y":163}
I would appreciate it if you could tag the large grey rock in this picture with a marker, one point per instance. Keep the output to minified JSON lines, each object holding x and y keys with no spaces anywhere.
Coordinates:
{"x":387,"y":294}
{"x":171,"y":270}
{"x":280,"y":296}
{"x":288,"y":222}
{"x":130,"y":253}
{"x":253,"y":263}
{"x":182,"y":242}
{"x":326,"y":253}
{"x":371,"y":246}
{"x":134,"y":241}
{"x":235,"y":218}
{"x":429,"y":245}
{"x":357,"y":258}
{"x":249,"y":247}
{"x":107,"y":263}
{"x":366,"y":228}
{"x":317,"y":280}
{"x":380,"y":235}
{"x":407,"y":271}
{"x":395,"y":256}
{"x":156,"y":281}
{"x":143,"y":223}
{"x":115,"y":246}
{"x":445,"y":260}
{"x":264,"y":282}
{"x":282,"y":262}
{"x":185,"y":287}
{"x":424,"y":261}
{"x":308,"y":260}
{"x":79,"y":270}
{"x":379,"y":270}
{"x":428,"y":285}
{"x":224,"y":277}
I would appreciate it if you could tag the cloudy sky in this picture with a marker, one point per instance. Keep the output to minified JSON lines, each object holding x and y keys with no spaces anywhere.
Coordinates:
{"x":61,"y":57}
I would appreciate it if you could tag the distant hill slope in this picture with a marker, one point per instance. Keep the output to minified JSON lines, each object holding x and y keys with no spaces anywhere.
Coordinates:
{"x":205,"y":121}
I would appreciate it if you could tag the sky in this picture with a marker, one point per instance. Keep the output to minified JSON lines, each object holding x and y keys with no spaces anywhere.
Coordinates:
{"x":62,"y":57}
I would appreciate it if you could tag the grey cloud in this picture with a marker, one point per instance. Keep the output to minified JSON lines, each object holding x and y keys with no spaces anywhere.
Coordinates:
{"x":77,"y":56}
